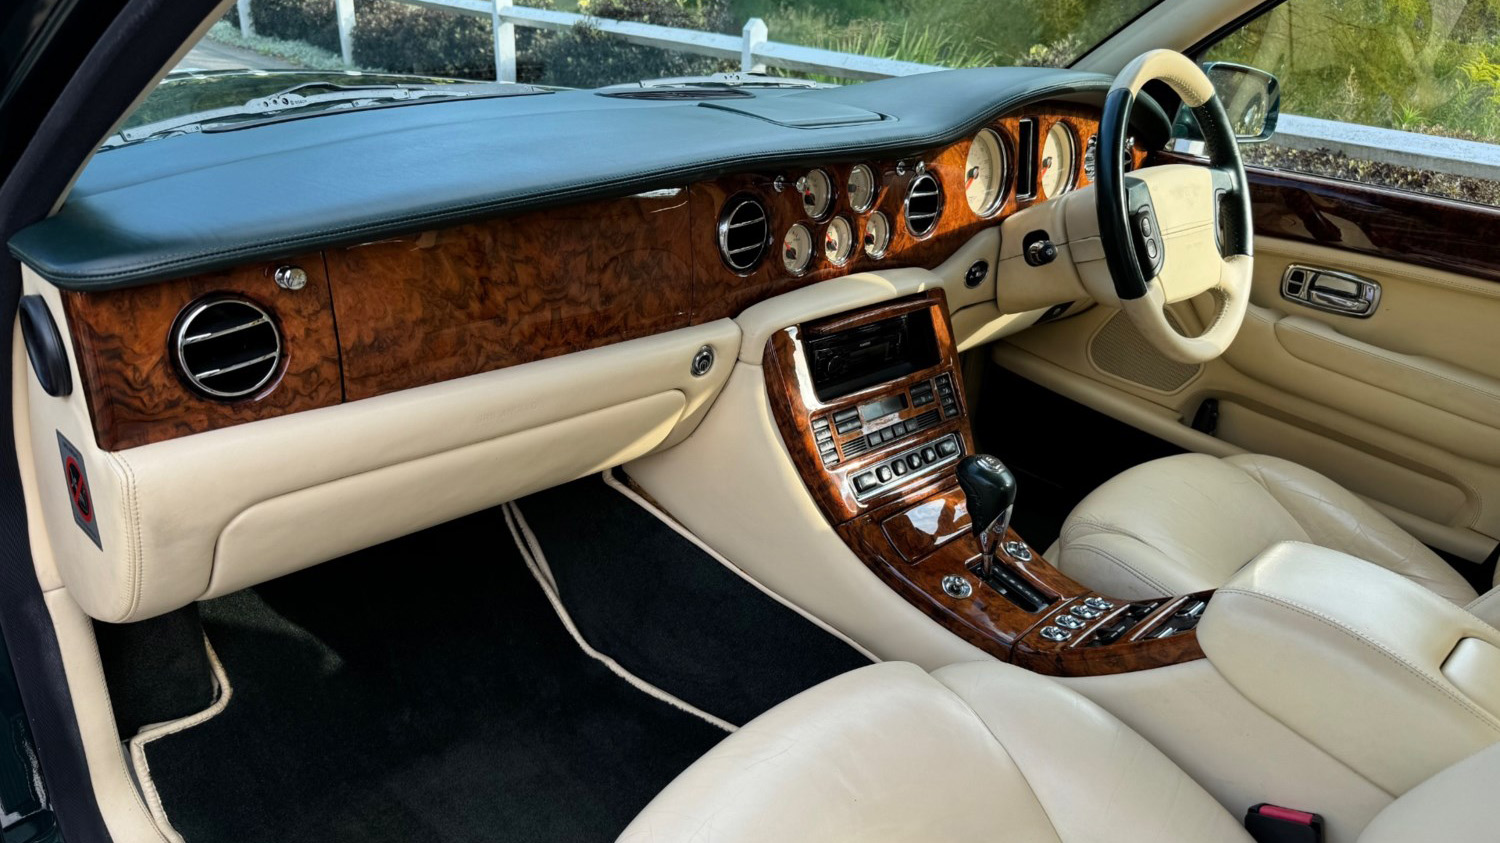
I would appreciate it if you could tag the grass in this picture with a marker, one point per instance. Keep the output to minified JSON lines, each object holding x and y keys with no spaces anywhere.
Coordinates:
{"x":297,"y":53}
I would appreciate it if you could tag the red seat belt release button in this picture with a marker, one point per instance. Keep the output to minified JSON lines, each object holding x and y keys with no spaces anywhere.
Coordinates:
{"x":1275,"y":824}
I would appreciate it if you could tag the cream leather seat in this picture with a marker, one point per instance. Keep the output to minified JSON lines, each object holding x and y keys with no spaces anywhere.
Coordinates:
{"x":984,"y":751}
{"x":981,"y":751}
{"x":1188,"y":523}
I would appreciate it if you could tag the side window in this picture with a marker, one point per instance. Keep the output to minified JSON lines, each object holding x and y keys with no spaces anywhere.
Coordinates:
{"x":1400,"y":94}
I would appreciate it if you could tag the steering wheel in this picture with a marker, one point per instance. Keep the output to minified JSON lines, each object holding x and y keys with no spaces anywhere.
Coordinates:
{"x":1201,"y":213}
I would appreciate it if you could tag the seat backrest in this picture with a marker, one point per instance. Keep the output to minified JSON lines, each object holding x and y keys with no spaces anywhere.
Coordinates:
{"x":1457,"y":804}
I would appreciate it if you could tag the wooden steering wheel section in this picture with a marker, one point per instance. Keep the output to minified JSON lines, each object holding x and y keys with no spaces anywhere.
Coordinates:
{"x":913,"y":534}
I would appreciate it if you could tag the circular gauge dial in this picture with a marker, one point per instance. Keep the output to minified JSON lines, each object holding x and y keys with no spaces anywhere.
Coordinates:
{"x":1059,"y":153}
{"x":877,"y":235}
{"x":985,"y":173}
{"x":838,"y":241}
{"x":816,"y":189}
{"x":861,"y":188}
{"x":797,"y":249}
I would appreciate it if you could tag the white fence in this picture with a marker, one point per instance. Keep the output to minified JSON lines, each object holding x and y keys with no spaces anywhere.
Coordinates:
{"x":756,"y":52}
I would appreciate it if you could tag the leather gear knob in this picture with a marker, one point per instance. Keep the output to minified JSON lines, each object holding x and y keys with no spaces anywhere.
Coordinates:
{"x":989,"y":487}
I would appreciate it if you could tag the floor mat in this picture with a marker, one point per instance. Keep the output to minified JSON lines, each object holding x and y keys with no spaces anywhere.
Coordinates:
{"x":664,"y":609}
{"x":421,"y":690}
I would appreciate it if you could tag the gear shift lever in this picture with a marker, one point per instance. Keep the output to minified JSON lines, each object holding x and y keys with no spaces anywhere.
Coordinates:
{"x":990,"y":490}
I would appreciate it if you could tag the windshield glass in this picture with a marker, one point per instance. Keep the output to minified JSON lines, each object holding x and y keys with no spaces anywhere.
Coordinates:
{"x":264,"y":47}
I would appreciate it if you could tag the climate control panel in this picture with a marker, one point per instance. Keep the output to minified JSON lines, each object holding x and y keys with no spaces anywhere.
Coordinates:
{"x":901,"y":467}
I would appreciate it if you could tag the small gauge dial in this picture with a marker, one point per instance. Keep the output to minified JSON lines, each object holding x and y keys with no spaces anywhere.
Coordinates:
{"x":985,"y":173}
{"x":861,"y":188}
{"x":838,"y":241}
{"x":877,"y":235}
{"x":816,"y":189}
{"x":797,"y":249}
{"x":1059,"y":154}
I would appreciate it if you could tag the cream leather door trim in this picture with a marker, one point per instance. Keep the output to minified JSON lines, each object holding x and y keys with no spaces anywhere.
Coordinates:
{"x":163,"y":507}
{"x":1447,"y":387}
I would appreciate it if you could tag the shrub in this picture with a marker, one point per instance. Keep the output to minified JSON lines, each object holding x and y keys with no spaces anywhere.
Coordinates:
{"x":585,"y":57}
{"x":410,"y":39}
{"x":312,"y":21}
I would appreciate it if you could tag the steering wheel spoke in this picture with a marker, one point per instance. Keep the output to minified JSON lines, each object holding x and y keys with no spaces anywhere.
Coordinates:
{"x":1203,"y":217}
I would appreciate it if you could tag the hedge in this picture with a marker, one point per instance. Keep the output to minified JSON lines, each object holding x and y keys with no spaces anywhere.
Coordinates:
{"x":402,"y":38}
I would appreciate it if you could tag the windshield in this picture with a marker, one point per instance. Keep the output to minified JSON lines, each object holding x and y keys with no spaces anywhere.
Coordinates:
{"x":264,"y":47}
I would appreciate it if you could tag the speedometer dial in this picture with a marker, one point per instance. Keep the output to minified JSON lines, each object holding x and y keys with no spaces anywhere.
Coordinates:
{"x":797,"y":249}
{"x":861,"y":188}
{"x":1059,"y":157}
{"x":817,"y":193}
{"x":985,"y":173}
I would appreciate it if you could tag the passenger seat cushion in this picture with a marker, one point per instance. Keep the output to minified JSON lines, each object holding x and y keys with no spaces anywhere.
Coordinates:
{"x":1095,"y":777}
{"x":881,"y":753}
{"x":890,"y":753}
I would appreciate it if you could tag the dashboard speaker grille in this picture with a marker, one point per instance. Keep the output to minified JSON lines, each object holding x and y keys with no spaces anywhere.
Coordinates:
{"x":744,"y":233}
{"x":226,"y":348}
{"x":924,"y":204}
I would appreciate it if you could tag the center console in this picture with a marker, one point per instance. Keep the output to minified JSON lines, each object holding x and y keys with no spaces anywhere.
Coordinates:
{"x":871,"y":407}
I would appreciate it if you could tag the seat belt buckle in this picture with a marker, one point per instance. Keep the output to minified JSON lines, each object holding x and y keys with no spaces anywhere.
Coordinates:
{"x":1275,"y":824}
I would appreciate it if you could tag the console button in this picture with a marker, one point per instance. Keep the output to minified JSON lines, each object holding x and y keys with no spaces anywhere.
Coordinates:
{"x":1053,"y":633}
{"x":820,"y":423}
{"x":899,"y":467}
{"x":1070,"y":622}
{"x":914,"y":461}
{"x":883,"y":474}
{"x":846,"y":415}
{"x":848,"y":426}
{"x":929,"y":454}
{"x":898,"y":429}
{"x":1098,"y":603}
{"x":1085,"y":612}
{"x":947,"y":447}
{"x":864,"y":482}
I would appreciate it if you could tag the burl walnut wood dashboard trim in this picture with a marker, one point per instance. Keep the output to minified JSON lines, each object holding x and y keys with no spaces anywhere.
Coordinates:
{"x":437,"y":305}
{"x":473,"y":298}
{"x":135,"y":396}
{"x":913,"y":555}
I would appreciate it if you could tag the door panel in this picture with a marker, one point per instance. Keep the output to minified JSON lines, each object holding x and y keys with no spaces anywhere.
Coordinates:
{"x":1402,"y":406}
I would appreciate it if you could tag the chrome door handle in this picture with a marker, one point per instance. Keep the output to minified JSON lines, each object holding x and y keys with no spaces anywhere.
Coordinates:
{"x":1331,"y":290}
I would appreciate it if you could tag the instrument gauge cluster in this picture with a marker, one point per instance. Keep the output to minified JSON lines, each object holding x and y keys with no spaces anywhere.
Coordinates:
{"x":986,"y":173}
{"x":816,"y":189}
{"x":1059,"y":170}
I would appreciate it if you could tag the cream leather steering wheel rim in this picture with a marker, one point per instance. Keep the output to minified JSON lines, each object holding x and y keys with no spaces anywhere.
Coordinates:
{"x":1214,"y":203}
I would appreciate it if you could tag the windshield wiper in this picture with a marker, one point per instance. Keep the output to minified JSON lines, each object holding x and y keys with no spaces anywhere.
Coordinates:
{"x":309,"y":99}
{"x":720,"y":80}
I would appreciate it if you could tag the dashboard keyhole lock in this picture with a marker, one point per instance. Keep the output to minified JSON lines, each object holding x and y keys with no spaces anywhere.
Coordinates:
{"x":957,"y":587}
{"x":703,"y":361}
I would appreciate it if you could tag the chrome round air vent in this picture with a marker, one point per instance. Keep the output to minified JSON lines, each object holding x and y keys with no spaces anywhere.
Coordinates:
{"x":744,"y":233}
{"x":923,"y":205}
{"x":226,"y":347}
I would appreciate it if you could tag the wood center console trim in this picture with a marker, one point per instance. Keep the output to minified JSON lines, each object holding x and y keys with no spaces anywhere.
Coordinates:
{"x":912,"y":552}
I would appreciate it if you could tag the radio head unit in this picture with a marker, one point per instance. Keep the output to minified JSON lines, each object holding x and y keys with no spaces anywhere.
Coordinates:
{"x":854,"y":359}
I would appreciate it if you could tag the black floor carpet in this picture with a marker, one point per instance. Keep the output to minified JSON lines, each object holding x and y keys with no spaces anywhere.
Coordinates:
{"x":668,"y":612}
{"x":421,"y":690}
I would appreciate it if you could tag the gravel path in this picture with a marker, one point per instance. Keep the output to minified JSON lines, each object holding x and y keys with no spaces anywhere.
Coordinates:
{"x":210,"y":55}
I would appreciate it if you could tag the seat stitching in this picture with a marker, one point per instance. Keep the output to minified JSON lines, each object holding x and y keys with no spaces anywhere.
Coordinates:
{"x":1368,"y":642}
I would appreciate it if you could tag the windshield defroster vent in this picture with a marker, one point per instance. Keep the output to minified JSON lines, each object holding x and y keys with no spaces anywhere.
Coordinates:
{"x":226,"y":348}
{"x":744,"y":233}
{"x":924,"y":204}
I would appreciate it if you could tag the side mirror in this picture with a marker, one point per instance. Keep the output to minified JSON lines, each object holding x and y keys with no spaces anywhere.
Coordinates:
{"x":1251,"y":98}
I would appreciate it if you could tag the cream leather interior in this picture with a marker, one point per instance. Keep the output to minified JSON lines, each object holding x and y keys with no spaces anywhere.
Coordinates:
{"x":1003,"y":754}
{"x":1383,"y":674}
{"x":1398,"y":407}
{"x":1191,"y":522}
